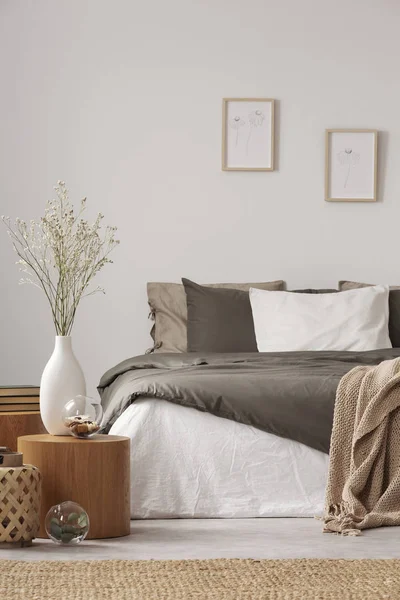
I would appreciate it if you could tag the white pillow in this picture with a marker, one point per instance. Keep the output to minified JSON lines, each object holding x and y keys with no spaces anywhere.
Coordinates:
{"x":353,"y":320}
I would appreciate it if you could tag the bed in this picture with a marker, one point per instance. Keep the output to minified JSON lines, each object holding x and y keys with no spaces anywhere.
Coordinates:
{"x":228,"y":435}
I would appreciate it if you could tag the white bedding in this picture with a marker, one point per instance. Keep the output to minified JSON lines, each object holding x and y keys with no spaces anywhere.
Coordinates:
{"x":185,"y":463}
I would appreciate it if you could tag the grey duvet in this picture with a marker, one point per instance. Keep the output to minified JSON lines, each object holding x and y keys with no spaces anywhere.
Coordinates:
{"x":289,"y":394}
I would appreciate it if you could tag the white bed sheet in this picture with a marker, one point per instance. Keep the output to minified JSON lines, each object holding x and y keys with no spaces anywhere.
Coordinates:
{"x":185,"y":464}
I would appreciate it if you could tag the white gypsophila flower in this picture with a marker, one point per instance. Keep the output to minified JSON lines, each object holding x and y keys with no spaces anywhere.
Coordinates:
{"x":61,"y":253}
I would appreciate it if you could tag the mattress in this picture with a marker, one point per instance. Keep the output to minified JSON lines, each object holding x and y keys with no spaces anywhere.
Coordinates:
{"x":190,"y":464}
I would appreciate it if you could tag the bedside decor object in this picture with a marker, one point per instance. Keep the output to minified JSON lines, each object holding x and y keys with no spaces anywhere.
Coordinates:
{"x":67,"y":523}
{"x":94,"y":473}
{"x":82,"y":416}
{"x":60,"y":254}
{"x":20,"y":487}
{"x":351,"y":165}
{"x":19,"y":398}
{"x":248,"y":134}
{"x":62,"y":378}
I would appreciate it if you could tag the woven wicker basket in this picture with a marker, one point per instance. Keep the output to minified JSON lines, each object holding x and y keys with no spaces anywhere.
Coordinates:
{"x":20,"y":489}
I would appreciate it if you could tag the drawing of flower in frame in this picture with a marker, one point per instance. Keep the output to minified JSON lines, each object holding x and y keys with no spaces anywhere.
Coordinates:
{"x":351,"y":171}
{"x":248,"y":134}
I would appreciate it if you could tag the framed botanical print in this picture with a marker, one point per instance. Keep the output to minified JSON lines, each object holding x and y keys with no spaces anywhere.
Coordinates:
{"x":351,"y":165}
{"x":248,"y":134}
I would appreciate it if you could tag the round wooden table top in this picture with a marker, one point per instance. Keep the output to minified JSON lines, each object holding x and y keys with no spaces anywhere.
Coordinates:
{"x":69,"y":439}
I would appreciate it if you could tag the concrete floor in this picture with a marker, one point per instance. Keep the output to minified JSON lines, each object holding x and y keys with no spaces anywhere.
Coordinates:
{"x":220,"y":538}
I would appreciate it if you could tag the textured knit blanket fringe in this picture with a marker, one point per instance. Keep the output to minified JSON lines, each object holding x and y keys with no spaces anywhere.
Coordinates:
{"x":363,"y":488}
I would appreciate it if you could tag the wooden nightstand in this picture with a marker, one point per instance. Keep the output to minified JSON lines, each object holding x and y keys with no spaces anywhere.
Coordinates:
{"x":95,"y":473}
{"x":19,"y":413}
{"x":15,"y":424}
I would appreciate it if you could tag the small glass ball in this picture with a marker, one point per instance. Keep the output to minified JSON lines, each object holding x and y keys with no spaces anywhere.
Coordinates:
{"x":82,"y":416}
{"x":67,"y":523}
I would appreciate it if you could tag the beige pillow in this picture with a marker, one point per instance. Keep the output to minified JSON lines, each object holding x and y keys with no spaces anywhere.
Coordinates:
{"x":168,"y":306}
{"x":354,"y":285}
{"x":344,"y":286}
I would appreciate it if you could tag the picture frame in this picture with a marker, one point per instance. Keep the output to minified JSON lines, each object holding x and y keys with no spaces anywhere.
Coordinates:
{"x":351,"y":165}
{"x":248,"y":137}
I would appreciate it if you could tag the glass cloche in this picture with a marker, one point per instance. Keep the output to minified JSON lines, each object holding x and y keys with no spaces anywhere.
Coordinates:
{"x":82,"y":416}
{"x":67,"y":523}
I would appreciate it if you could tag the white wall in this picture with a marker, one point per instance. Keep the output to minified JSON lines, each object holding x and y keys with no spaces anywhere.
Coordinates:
{"x":122,"y":100}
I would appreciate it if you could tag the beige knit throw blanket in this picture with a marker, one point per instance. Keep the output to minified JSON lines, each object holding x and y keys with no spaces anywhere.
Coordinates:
{"x":363,"y":488}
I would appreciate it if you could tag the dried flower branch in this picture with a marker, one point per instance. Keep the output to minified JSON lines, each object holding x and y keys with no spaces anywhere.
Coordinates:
{"x":61,"y":253}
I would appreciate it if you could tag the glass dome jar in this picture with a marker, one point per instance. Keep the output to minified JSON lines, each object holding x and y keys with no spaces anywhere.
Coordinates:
{"x":82,"y":416}
{"x":67,"y":523}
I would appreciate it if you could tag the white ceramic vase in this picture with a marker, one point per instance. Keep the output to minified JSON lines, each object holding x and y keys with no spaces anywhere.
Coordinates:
{"x":61,"y":381}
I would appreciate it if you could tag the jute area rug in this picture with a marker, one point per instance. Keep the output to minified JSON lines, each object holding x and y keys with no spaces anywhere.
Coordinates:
{"x":216,"y":579}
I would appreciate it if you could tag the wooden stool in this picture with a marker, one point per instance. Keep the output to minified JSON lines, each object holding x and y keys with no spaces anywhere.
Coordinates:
{"x":95,"y":473}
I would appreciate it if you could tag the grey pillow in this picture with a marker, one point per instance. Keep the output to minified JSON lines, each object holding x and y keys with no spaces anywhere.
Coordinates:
{"x":314,"y":291}
{"x":219,"y":320}
{"x":394,"y":307}
{"x":168,"y":307}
